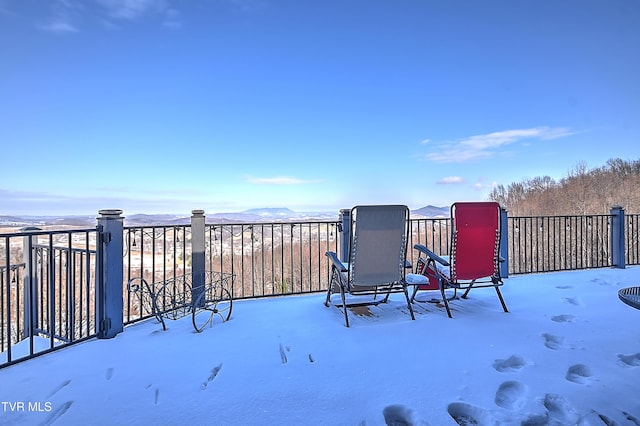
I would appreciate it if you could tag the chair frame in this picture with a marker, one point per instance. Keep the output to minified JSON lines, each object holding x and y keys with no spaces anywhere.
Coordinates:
{"x":430,"y":263}
{"x":342,"y":275}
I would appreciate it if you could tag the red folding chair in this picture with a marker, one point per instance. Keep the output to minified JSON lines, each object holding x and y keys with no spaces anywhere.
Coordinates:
{"x":474,"y":258}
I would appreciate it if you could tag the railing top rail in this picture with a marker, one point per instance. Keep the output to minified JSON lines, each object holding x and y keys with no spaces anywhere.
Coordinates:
{"x":302,"y":222}
{"x":177,"y":225}
{"x":37,"y":232}
{"x":560,"y":216}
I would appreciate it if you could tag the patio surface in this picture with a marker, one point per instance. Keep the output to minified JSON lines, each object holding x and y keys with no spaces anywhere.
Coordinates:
{"x":568,"y":352}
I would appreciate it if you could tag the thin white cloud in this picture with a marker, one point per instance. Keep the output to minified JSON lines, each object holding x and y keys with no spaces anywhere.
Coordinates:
{"x":63,"y":17}
{"x":58,"y":25}
{"x":480,"y":185}
{"x":172,"y":19}
{"x":4,"y":8}
{"x":449,"y":180}
{"x":279,"y":180}
{"x":247,"y":6}
{"x":485,"y":146}
{"x":133,"y":9}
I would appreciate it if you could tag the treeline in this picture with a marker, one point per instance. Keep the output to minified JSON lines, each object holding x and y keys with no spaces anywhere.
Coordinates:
{"x":582,"y":192}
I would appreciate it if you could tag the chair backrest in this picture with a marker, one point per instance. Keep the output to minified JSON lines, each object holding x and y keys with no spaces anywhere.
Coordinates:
{"x":378,"y":244}
{"x":476,"y":240}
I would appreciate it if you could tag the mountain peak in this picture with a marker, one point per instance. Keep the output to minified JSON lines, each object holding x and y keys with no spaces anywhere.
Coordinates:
{"x":433,"y":211}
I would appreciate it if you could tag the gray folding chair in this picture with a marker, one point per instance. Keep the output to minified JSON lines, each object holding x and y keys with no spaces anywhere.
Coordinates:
{"x":377,"y":257}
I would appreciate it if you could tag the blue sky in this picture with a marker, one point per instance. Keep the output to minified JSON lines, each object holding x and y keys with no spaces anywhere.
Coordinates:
{"x":164,"y":106}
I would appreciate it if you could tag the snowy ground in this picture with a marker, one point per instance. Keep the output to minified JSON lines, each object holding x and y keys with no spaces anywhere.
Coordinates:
{"x":567,"y":353}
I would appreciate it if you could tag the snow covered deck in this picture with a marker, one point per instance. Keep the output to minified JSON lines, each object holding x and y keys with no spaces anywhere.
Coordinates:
{"x":567,"y":353}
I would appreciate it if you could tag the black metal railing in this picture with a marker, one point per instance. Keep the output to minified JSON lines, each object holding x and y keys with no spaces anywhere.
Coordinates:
{"x":284,"y":258}
{"x":156,"y":254}
{"x":47,"y":291}
{"x":266,"y":259}
{"x":558,"y":243}
{"x":432,"y":233}
{"x":48,"y":278}
{"x":631,"y":239}
{"x":11,"y":276}
{"x":272,"y":259}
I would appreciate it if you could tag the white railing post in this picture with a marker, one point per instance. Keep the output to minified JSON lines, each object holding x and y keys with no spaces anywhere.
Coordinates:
{"x":109,"y":282}
{"x":618,"y":259}
{"x":197,"y":254}
{"x":345,"y":228}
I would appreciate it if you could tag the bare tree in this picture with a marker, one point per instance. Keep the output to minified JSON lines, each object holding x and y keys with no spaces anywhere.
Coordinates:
{"x":583,"y":191}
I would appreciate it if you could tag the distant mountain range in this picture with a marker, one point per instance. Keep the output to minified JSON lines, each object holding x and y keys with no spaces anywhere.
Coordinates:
{"x":432,"y":211}
{"x":252,"y":215}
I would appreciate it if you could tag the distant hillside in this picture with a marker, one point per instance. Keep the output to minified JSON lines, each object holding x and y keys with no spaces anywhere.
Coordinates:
{"x":156,"y":219}
{"x":248,"y":216}
{"x":583,"y":191}
{"x":281,"y":214}
{"x":432,"y":211}
{"x":23,"y":221}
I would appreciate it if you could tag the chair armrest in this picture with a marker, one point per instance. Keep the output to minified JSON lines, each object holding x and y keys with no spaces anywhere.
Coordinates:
{"x":430,"y":254}
{"x":336,"y":262}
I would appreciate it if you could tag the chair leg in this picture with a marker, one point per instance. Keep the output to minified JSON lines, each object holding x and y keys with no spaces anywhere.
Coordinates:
{"x":445,"y":300}
{"x":406,"y":295}
{"x":415,"y":291}
{"x":504,"y":306}
{"x":344,"y":306}
{"x":466,"y":292}
{"x":332,"y":282}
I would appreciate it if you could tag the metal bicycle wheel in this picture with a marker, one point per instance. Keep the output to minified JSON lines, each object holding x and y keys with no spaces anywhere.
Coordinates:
{"x":159,"y":306}
{"x":212,"y":307}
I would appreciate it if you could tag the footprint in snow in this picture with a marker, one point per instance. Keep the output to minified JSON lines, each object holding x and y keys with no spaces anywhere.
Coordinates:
{"x":563,"y":318}
{"x":536,"y":420}
{"x":466,"y":414}
{"x":579,"y":373}
{"x":283,"y":354}
{"x":573,"y":301}
{"x":513,"y":363}
{"x":59,"y":388}
{"x":632,"y":360}
{"x":605,"y":419}
{"x":559,"y":410}
{"x":400,"y":415}
{"x":631,"y":418}
{"x":511,"y":395}
{"x":212,"y":376}
{"x":552,"y":341}
{"x":600,"y":281}
{"x":57,"y":413}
